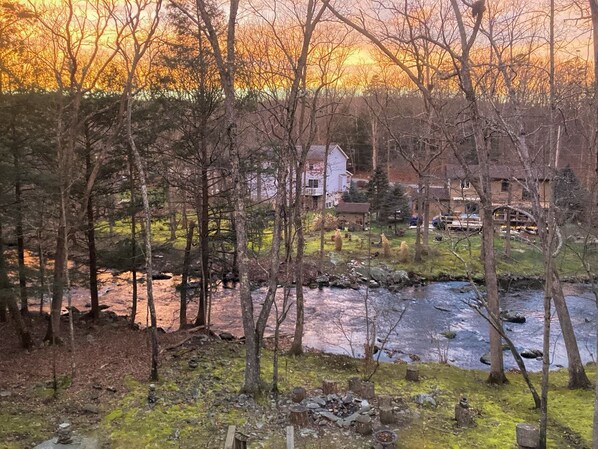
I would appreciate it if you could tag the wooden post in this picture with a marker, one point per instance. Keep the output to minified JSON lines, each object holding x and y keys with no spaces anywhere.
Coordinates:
{"x":298,"y":415}
{"x":329,"y":387}
{"x":290,"y":437}
{"x":230,"y":438}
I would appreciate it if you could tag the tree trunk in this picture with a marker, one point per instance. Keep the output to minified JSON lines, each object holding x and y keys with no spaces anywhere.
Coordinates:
{"x":153,"y":329}
{"x":204,"y":240}
{"x":185,"y":277}
{"x":325,"y":193}
{"x":91,"y":246}
{"x":497,"y":374}
{"x":297,"y":346}
{"x":577,"y":373}
{"x":418,"y":230}
{"x":171,"y":213}
{"x":7,"y":299}
{"x":20,"y":236}
{"x":133,"y":265}
{"x":53,"y":332}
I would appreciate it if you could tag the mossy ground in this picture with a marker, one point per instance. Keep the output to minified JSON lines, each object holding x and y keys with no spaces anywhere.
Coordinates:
{"x":196,"y":406}
{"x":526,"y":259}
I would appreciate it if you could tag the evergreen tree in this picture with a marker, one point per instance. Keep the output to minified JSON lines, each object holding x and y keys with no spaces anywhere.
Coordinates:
{"x":354,"y":195}
{"x":377,"y":189}
{"x":394,"y":204}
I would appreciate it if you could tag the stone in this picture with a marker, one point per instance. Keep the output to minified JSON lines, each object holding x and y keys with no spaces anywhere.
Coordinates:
{"x":512,"y":317}
{"x":528,"y":436}
{"x":64,"y":433}
{"x":91,"y":409}
{"x":5,"y":393}
{"x":449,"y":334}
{"x":485,"y":359}
{"x":531,"y":353}
{"x":227,"y":336}
{"x":463,"y":414}
{"x":193,"y":363}
{"x":425,"y":400}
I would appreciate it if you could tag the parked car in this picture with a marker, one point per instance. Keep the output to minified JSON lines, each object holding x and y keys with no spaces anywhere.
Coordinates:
{"x":466,"y":222}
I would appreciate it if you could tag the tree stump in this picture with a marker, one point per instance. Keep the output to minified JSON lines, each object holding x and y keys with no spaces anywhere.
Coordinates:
{"x":463,"y":414}
{"x":387,"y":415}
{"x":367,"y":390}
{"x":299,"y":415}
{"x":298,"y":394}
{"x":412,"y":374}
{"x":528,"y":436}
{"x":240,"y":441}
{"x":363,"y":425}
{"x":329,"y":387}
{"x":355,"y":385}
{"x":384,"y":401}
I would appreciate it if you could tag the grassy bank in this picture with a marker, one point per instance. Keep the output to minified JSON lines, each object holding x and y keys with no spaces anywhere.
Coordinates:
{"x":183,"y":420}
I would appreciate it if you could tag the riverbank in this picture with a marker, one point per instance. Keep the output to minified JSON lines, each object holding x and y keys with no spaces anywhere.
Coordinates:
{"x":197,"y":397}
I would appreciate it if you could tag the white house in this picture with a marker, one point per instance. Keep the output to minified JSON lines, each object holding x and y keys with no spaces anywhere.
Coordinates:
{"x":338,"y":179}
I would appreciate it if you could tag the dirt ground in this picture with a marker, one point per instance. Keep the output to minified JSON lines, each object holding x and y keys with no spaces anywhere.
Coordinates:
{"x":106,"y":353}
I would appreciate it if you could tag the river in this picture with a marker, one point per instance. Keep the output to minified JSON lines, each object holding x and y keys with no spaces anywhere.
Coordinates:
{"x":335,"y":318}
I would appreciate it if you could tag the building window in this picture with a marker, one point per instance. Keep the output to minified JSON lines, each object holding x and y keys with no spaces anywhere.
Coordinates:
{"x":312,"y":183}
{"x":504,"y":185}
{"x":525,"y":195}
{"x":465,"y":184}
{"x":311,"y":166}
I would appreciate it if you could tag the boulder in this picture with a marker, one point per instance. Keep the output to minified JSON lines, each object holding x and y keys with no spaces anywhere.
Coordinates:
{"x":512,"y":317}
{"x":425,"y":400}
{"x":531,"y":353}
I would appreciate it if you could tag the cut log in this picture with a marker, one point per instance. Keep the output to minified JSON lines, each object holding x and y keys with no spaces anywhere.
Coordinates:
{"x":363,"y":425}
{"x":384,"y":401}
{"x":367,"y":390}
{"x":298,"y":415}
{"x":240,"y":441}
{"x":528,"y":436}
{"x":298,"y":394}
{"x":387,"y":415}
{"x":355,"y":385}
{"x":329,"y":387}
{"x":412,"y":374}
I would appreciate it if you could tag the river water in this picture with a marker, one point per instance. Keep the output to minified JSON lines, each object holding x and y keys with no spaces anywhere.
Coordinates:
{"x":335,"y":319}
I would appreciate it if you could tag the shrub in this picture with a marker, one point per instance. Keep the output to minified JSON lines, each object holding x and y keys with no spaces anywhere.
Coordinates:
{"x":385,"y":245}
{"x":404,"y":252}
{"x":338,"y":241}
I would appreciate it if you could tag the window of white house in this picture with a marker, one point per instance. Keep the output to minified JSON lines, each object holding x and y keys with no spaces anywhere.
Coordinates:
{"x":311,"y":166}
{"x":312,"y":183}
{"x":465,"y":184}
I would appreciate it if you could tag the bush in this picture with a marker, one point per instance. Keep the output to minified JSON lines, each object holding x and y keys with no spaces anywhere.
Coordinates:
{"x":385,"y":245}
{"x":330,"y":222}
{"x":338,"y":241}
{"x":404,"y":252}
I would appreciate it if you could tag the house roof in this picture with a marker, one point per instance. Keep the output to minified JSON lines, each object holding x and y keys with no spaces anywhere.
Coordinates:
{"x":353,"y":208}
{"x":318,"y":152}
{"x":496,"y":172}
